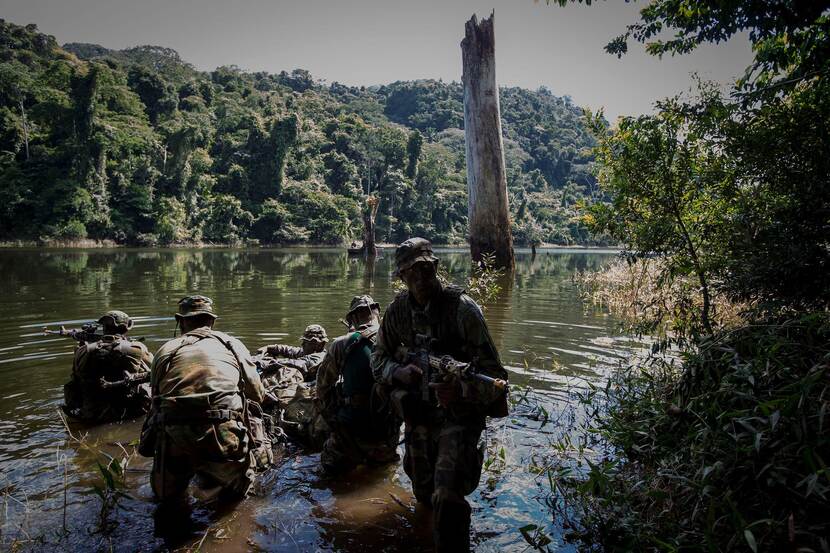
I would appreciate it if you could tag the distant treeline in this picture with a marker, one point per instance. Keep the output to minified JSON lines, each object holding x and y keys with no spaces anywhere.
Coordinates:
{"x":138,"y":147}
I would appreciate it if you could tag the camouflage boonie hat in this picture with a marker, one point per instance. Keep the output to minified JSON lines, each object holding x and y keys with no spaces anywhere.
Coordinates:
{"x":362,"y":301}
{"x":315,"y":333}
{"x":119,"y":318}
{"x":196,"y":305}
{"x":411,"y":252}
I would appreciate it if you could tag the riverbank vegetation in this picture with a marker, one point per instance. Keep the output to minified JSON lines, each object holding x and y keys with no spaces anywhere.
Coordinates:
{"x":720,"y":440}
{"x":138,"y":147}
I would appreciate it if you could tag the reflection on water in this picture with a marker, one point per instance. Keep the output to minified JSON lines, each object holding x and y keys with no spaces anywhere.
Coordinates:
{"x":548,"y":340}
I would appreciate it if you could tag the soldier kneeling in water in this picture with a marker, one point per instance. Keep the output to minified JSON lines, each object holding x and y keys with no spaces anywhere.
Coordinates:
{"x":306,"y":358}
{"x":363,"y":428}
{"x":206,"y":418}
{"x":110,"y":375}
{"x":288,"y":374}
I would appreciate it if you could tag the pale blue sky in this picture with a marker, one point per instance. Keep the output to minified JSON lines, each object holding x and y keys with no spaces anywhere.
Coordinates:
{"x":365,"y":42}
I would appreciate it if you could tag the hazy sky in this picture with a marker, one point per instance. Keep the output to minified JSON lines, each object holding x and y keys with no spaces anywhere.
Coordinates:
{"x":365,"y":42}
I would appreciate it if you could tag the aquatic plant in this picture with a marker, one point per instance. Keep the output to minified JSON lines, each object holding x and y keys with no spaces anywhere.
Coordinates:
{"x":112,"y":486}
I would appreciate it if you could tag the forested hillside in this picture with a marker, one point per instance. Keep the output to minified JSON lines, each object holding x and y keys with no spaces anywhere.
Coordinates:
{"x":139,"y":147}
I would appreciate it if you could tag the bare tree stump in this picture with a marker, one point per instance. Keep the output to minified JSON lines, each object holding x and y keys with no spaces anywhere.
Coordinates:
{"x":369,"y":214}
{"x":489,"y":218}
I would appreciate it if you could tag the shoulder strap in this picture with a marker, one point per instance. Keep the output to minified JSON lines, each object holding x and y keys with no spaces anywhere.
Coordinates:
{"x":164,"y":365}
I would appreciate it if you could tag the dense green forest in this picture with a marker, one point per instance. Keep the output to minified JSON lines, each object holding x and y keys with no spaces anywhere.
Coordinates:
{"x":722,"y":201}
{"x":138,"y":147}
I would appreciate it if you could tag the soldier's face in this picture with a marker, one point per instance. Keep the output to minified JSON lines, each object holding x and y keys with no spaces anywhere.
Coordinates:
{"x":361,"y":315}
{"x":312,"y":346}
{"x":421,"y":279}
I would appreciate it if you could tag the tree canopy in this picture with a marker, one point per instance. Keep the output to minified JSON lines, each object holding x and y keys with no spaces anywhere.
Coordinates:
{"x":138,"y":147}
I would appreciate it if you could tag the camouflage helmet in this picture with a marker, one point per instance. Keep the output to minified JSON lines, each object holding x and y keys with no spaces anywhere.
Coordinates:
{"x":315,"y":333}
{"x":192,"y":306}
{"x":118,"y":318}
{"x":362,"y":301}
{"x":411,"y":252}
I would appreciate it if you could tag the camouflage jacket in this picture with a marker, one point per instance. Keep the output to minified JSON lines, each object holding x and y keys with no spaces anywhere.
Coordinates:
{"x":111,"y":358}
{"x":332,"y":368}
{"x":198,"y":372}
{"x":284,"y":350}
{"x":457,"y":324}
{"x":295,"y":357}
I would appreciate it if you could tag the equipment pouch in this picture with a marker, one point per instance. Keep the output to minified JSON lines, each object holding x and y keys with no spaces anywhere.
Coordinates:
{"x":149,"y":437}
{"x":262,"y":451}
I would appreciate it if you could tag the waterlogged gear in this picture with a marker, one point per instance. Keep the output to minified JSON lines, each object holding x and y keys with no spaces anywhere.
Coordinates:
{"x":413,"y":251}
{"x":291,"y":401}
{"x":306,"y":359}
{"x":206,"y":418}
{"x":109,"y":380}
{"x":192,"y":306}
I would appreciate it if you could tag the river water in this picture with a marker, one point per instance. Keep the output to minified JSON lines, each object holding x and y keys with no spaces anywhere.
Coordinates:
{"x":550,"y":342}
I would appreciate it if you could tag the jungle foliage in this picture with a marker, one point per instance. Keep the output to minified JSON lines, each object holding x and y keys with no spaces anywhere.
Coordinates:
{"x":727,"y":449}
{"x":138,"y":147}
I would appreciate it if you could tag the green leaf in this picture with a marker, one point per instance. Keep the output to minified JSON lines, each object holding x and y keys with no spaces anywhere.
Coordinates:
{"x":750,"y":540}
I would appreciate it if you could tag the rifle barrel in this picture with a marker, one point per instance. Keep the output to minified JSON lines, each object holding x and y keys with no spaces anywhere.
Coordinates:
{"x":496,"y":382}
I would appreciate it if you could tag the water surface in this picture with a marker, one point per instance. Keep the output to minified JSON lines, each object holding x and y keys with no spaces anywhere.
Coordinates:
{"x":548,"y":339}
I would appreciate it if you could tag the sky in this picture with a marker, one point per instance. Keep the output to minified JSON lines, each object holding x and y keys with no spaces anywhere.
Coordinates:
{"x":369,"y":42}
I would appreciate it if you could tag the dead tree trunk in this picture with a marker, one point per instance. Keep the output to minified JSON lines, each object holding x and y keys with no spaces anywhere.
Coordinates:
{"x":369,"y":214}
{"x":489,"y":219}
{"x":25,"y":129}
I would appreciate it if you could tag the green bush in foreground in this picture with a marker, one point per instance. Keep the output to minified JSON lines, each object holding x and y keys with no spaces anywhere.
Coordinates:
{"x":729,"y":454}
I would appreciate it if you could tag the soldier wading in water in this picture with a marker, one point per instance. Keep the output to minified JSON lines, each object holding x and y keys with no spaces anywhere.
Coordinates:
{"x":205,"y":417}
{"x":355,"y":407}
{"x":109,"y":374}
{"x":442,"y":457}
{"x":305,"y":358}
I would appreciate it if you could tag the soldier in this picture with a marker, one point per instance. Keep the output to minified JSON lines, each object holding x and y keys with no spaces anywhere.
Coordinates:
{"x":363,"y":431}
{"x":442,"y":456}
{"x":108,"y":374}
{"x":205,"y":419}
{"x":306,"y":358}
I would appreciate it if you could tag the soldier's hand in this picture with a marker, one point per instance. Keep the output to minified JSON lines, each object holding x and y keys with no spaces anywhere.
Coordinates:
{"x":408,"y":374}
{"x":446,"y":392}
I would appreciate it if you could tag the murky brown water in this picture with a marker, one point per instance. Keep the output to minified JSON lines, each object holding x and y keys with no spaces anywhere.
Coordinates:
{"x":548,"y":339}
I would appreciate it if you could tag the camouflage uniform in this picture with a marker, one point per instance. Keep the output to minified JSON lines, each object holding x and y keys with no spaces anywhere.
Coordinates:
{"x":442,"y":457}
{"x":206,"y":396}
{"x":304,"y":359}
{"x":288,"y":374}
{"x":291,"y":403}
{"x":363,"y":429}
{"x":101,"y":389}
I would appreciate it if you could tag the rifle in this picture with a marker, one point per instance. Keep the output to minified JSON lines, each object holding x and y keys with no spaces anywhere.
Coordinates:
{"x":444,"y":368}
{"x":128,"y":380}
{"x":87,"y":333}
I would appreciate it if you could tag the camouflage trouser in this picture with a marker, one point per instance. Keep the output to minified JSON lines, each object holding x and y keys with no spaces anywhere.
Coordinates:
{"x":216,"y":452}
{"x":343,"y":451}
{"x":444,"y":462}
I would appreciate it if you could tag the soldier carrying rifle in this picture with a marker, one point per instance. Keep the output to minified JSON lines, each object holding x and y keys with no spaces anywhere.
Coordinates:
{"x":434,"y":347}
{"x":110,"y":372}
